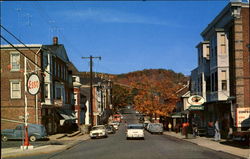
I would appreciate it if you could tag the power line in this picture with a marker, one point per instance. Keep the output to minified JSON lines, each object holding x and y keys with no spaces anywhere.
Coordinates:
{"x":20,"y":52}
{"x":48,"y":49}
{"x":17,"y":39}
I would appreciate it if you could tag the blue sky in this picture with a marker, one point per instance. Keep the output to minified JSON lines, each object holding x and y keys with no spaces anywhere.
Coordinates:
{"x":128,"y":35}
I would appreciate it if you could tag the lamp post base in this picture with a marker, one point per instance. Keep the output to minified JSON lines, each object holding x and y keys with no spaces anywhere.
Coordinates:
{"x":30,"y":147}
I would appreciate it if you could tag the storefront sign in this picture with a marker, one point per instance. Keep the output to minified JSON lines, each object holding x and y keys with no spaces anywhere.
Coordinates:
{"x":33,"y":84}
{"x":196,"y":107}
{"x":196,"y":100}
{"x":243,"y":117}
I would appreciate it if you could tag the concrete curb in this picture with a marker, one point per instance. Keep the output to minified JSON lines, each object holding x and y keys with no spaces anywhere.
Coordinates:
{"x":215,"y":146}
{"x":41,"y":150}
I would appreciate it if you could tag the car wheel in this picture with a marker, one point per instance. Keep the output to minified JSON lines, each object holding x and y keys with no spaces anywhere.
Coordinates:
{"x":4,"y":138}
{"x":32,"y":138}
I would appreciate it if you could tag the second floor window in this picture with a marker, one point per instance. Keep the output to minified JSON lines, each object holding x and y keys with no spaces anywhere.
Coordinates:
{"x":58,"y":93}
{"x":46,"y":90}
{"x":224,"y":80}
{"x":15,"y":87}
{"x":15,"y":61}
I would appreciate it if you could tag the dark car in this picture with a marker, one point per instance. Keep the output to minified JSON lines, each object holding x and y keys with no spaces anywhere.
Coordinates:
{"x":35,"y":131}
{"x":110,"y":129}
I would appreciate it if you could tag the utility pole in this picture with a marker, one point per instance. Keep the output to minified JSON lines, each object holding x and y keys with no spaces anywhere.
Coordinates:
{"x":91,"y":86}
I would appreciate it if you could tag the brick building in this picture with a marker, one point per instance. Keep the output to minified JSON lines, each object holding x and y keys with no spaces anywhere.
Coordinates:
{"x":223,"y":73}
{"x":53,"y":105}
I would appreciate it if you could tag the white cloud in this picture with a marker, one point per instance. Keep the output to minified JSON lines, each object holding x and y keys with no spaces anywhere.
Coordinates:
{"x":113,"y":16}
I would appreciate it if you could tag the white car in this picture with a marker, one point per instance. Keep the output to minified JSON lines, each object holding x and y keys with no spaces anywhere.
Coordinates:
{"x":98,"y":131}
{"x":135,"y":131}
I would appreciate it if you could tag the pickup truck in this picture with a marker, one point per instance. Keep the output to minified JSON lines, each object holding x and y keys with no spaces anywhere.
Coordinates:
{"x":35,"y":131}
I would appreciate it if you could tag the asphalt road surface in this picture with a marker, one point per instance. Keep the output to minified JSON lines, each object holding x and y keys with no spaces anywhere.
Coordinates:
{"x":153,"y":147}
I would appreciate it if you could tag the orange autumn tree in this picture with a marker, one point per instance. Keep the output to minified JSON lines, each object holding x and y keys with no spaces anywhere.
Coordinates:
{"x":154,"y":97}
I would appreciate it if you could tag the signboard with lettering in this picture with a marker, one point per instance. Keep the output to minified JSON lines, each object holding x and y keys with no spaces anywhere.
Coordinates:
{"x":33,"y":84}
{"x":243,"y":117}
{"x":196,"y":107}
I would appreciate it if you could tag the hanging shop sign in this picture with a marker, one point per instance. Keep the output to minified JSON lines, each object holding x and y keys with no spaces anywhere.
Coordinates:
{"x":33,"y":84}
{"x":243,"y":117}
{"x":196,"y":100}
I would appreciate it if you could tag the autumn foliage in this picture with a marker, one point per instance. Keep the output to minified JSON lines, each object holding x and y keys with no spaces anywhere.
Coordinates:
{"x":152,"y":92}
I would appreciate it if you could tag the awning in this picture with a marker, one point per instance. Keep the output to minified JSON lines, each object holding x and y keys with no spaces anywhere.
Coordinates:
{"x":196,"y":107}
{"x":67,"y":115}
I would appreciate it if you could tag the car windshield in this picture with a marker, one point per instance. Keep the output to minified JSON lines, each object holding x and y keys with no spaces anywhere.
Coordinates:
{"x":97,"y":128}
{"x":135,"y":127}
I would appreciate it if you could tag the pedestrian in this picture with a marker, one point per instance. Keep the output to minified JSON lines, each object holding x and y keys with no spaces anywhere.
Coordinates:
{"x":169,"y":127}
{"x":217,"y":131}
{"x":195,"y":130}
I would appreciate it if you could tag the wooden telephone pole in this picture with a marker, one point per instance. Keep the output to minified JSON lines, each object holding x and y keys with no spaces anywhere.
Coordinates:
{"x":91,"y":86}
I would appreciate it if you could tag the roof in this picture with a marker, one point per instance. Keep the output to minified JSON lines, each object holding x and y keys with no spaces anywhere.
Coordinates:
{"x":225,"y":11}
{"x":72,"y":67}
{"x":57,"y":50}
{"x":20,"y":46}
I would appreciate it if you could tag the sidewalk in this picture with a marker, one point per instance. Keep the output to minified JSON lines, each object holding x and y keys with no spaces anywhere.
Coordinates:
{"x":209,"y":143}
{"x":57,"y":142}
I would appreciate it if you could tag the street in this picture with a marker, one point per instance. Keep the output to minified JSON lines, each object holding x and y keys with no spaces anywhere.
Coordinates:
{"x":153,"y":147}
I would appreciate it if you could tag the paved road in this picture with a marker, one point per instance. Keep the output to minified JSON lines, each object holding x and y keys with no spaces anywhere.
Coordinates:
{"x":153,"y":147}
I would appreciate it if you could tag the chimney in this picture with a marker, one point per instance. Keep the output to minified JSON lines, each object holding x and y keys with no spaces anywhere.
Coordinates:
{"x":55,"y":40}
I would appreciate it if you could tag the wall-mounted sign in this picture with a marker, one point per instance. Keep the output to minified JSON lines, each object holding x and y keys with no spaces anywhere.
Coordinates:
{"x":196,"y":100}
{"x":196,"y":107}
{"x":243,"y":117}
{"x":33,"y":84}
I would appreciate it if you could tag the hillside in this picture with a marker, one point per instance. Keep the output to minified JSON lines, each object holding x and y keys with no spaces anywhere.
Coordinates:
{"x":153,"y":75}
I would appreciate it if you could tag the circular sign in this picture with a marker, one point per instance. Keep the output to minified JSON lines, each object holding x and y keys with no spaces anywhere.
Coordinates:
{"x":33,"y":84}
{"x":196,"y":100}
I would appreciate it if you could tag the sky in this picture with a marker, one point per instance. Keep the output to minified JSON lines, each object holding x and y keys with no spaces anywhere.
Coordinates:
{"x":128,"y":35}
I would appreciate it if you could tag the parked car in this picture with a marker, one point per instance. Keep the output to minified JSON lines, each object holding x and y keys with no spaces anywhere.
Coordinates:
{"x":135,"y":131}
{"x":98,"y":131}
{"x":35,"y":132}
{"x":145,"y":124}
{"x":110,"y":129}
{"x":155,"y":128}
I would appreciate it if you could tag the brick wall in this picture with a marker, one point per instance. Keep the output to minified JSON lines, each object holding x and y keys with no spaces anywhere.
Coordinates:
{"x":11,"y":109}
{"x":246,"y":56}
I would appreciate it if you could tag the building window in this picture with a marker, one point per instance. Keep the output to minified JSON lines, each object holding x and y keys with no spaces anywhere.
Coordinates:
{"x":58,"y":70}
{"x":15,"y":87}
{"x":58,"y":93}
{"x":55,"y":68}
{"x":15,"y":61}
{"x":46,"y":90}
{"x":224,"y":80}
{"x":223,"y":44}
{"x":75,"y":99}
{"x":62,"y":71}
{"x":224,"y":85}
{"x":216,"y":81}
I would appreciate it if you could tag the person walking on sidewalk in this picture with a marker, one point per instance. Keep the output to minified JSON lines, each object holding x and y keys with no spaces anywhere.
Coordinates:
{"x":217,"y":131}
{"x":169,"y":127}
